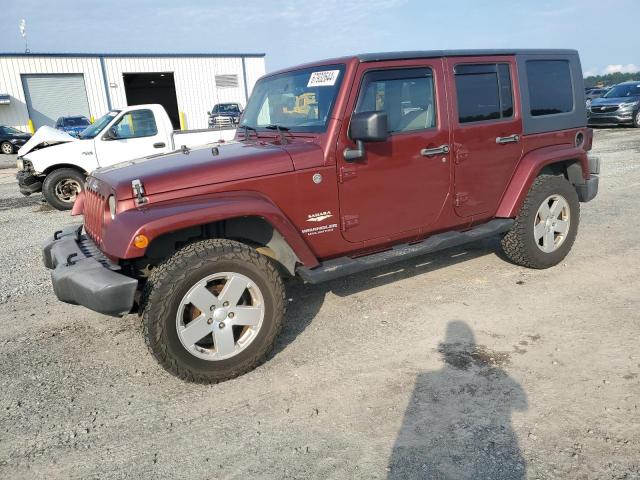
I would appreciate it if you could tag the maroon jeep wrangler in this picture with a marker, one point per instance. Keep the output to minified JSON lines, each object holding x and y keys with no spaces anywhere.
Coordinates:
{"x":337,"y":167}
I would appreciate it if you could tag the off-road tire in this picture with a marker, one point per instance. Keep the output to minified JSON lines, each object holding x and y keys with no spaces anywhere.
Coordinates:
{"x":52,"y":179}
{"x":519,"y":244}
{"x":7,"y":148}
{"x":167,"y":285}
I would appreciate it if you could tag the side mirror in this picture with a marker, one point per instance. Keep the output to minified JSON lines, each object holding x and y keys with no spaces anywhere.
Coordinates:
{"x":208,"y":113}
{"x":111,"y":134}
{"x":366,"y":127}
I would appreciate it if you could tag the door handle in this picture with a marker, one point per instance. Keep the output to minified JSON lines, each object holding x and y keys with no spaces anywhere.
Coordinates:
{"x":515,"y":138}
{"x":430,"y":152}
{"x":159,"y":145}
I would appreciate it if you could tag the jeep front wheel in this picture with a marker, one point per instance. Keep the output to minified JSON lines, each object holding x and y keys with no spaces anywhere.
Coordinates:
{"x":213,"y":310}
{"x":546,"y":225}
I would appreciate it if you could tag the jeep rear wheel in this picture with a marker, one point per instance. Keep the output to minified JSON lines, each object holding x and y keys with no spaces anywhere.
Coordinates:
{"x":213,"y":310}
{"x":546,"y":225}
{"x":61,"y":187}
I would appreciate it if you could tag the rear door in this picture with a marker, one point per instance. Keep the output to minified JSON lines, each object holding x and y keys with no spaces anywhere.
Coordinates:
{"x":396,"y":189}
{"x":487,"y":130}
{"x":137,"y":135}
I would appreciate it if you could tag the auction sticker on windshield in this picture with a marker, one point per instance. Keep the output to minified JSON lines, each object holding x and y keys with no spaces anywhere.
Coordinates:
{"x":326,"y":78}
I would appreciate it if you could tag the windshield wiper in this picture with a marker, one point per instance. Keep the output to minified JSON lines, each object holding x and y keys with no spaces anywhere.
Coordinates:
{"x":280,"y":129}
{"x":248,"y":129}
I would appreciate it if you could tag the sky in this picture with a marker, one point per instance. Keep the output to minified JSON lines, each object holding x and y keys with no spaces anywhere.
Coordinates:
{"x":297,"y":31}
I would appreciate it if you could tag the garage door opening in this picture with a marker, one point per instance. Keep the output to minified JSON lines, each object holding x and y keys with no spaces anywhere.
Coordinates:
{"x":141,"y":88}
{"x":53,"y":95}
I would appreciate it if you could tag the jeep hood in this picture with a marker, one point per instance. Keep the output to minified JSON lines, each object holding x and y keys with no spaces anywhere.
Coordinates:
{"x":600,"y":101}
{"x":45,"y":137}
{"x":199,"y":167}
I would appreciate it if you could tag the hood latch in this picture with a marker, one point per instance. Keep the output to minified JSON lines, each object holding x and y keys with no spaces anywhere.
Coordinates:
{"x":138,"y":191}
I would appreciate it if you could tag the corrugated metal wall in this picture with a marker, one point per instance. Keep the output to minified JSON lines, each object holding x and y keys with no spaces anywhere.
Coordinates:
{"x":196,"y":90}
{"x":11,"y":68}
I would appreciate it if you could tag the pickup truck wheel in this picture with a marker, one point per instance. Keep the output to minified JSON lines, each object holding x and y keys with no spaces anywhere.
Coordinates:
{"x":213,"y":310}
{"x":546,"y":225}
{"x":6,"y":148}
{"x":61,"y":187}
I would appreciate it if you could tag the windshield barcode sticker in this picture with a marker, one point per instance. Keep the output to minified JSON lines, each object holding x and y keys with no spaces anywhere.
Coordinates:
{"x":326,"y":78}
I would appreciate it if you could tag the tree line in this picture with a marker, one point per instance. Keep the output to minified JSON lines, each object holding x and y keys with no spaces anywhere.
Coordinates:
{"x":610,"y":79}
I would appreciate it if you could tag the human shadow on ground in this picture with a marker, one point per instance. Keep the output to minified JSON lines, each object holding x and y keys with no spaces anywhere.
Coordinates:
{"x":458,"y":422}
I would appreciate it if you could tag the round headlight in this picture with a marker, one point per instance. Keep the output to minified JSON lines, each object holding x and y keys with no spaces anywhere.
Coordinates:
{"x":112,"y":206}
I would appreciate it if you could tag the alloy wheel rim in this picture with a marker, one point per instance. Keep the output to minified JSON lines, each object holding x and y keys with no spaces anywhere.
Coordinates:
{"x":220,"y":316}
{"x":67,"y":190}
{"x":551,"y":223}
{"x":6,"y":148}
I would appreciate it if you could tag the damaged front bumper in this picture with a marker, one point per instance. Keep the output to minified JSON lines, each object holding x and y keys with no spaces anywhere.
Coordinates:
{"x":28,"y":182}
{"x":82,"y":275}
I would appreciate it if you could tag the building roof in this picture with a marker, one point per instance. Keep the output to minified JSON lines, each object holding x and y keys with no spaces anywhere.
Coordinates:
{"x":112,"y":55}
{"x":408,"y":55}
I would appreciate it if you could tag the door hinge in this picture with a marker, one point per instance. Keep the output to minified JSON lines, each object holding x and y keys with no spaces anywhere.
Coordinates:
{"x":461,"y":198}
{"x":347,"y":172}
{"x":350,"y":221}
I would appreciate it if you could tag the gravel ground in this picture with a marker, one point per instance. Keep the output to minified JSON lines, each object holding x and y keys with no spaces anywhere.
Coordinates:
{"x":456,"y":365}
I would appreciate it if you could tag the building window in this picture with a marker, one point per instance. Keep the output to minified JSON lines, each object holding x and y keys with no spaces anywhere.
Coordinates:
{"x":406,"y":96}
{"x":484,"y":92}
{"x":550,"y":87}
{"x":227,"y":81}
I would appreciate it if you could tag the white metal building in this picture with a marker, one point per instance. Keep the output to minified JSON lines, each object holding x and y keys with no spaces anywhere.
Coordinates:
{"x":43,"y":87}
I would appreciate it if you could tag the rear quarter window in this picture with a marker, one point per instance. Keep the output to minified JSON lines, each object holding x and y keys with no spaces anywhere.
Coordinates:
{"x":550,"y":87}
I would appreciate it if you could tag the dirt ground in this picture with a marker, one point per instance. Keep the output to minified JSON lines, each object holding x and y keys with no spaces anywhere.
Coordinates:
{"x":455,"y":365}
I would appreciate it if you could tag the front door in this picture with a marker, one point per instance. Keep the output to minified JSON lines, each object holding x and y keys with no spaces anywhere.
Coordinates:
{"x":400,"y":187}
{"x":487,"y":126}
{"x":136,"y":136}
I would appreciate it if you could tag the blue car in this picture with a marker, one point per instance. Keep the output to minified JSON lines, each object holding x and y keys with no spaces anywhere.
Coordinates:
{"x":72,"y":125}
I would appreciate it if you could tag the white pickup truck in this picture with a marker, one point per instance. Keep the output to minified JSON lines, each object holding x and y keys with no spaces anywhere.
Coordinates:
{"x":57,"y":163}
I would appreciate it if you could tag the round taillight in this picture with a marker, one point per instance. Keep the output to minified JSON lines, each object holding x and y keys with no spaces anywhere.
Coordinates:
{"x":579,"y":139}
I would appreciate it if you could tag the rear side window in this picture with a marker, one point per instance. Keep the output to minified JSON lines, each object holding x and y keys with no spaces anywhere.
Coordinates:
{"x":484,"y":92}
{"x":406,"y":96}
{"x":550,"y":87}
{"x":136,"y":124}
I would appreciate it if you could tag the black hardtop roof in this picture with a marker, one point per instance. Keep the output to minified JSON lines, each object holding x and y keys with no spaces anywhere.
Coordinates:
{"x":408,"y":55}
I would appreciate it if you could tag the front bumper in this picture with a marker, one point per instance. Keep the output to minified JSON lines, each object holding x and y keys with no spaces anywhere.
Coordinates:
{"x":82,"y":275}
{"x":28,"y":183}
{"x":620,"y":117}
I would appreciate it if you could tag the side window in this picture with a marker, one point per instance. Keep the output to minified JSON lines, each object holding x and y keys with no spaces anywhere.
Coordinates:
{"x":136,"y":124}
{"x":406,"y":96}
{"x":550,"y":87}
{"x":483,"y":92}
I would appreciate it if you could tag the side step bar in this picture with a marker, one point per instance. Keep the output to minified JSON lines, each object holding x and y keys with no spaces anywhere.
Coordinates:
{"x":339,"y":267}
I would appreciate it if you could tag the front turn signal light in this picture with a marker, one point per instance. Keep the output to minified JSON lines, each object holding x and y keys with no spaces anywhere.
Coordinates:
{"x":141,"y":241}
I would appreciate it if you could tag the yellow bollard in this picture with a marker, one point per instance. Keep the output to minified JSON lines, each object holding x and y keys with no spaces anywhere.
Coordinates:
{"x":32,"y":129}
{"x":183,"y":122}
{"x":92,"y":119}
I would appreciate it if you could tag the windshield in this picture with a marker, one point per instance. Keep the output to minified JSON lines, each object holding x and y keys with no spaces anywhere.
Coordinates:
{"x":76,"y":122}
{"x":11,"y":131}
{"x":92,"y":130}
{"x":226,"y":108}
{"x":625,"y":90}
{"x":300,"y":101}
